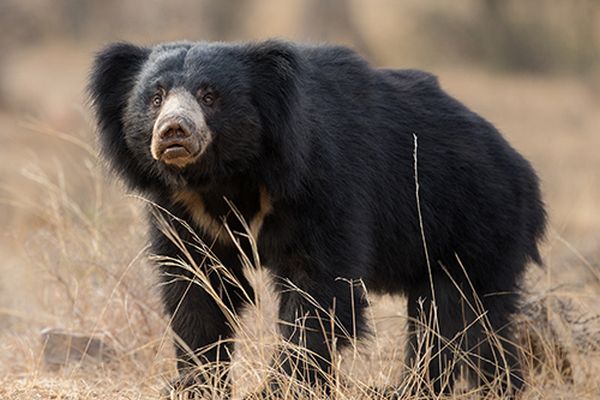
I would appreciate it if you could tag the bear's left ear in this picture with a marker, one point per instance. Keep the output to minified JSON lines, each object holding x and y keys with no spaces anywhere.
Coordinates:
{"x":277,"y":73}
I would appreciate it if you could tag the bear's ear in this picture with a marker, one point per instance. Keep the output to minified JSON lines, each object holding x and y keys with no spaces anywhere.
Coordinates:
{"x":277,"y":72}
{"x":112,"y":79}
{"x":279,"y":56}
{"x":113,"y":76}
{"x":275,"y":69}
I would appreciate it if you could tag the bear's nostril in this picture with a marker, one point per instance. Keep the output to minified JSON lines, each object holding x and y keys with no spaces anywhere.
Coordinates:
{"x":170,"y":131}
{"x":173,"y":129}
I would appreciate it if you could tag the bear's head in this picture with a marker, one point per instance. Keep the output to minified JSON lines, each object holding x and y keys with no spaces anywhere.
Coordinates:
{"x":197,"y":113}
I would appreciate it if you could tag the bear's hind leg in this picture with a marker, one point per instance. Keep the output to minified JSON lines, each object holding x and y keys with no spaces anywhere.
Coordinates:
{"x":498,"y":367}
{"x":465,"y":332}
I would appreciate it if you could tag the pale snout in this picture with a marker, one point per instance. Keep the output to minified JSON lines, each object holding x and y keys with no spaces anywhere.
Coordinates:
{"x":180,"y":134}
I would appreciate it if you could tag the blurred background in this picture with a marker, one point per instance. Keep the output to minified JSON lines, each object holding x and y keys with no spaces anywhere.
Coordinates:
{"x":71,"y":239}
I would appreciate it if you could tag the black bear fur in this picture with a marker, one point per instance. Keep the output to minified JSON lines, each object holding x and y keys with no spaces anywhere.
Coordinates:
{"x":329,"y":142}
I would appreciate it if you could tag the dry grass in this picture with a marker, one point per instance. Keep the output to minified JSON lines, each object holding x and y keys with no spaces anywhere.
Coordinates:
{"x":73,"y":257}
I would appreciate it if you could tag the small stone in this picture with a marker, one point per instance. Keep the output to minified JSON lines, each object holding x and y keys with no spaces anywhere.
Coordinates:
{"x":62,"y":347}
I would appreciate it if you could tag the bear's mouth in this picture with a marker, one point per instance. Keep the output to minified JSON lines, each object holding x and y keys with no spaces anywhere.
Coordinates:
{"x":175,"y":151}
{"x":178,"y":154}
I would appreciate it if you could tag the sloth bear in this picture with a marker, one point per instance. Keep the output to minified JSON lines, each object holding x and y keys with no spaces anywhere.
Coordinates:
{"x":344,"y":172}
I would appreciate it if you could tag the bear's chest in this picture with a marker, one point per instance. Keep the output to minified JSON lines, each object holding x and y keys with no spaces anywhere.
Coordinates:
{"x":214,"y":213}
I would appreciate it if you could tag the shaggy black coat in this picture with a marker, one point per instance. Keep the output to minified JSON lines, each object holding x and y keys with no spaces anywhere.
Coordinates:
{"x":324,"y":145}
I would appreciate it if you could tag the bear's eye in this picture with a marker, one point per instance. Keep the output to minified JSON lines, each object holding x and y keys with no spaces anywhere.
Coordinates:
{"x":208,"y":99}
{"x":157,"y":100}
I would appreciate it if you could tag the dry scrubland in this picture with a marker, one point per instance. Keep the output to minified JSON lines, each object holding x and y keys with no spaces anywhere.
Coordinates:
{"x":73,"y":243}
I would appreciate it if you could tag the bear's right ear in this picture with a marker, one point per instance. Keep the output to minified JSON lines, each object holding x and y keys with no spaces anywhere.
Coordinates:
{"x":112,"y":79}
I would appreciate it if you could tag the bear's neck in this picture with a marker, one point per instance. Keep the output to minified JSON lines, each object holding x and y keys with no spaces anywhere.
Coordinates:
{"x":239,"y":192}
{"x":231,"y":200}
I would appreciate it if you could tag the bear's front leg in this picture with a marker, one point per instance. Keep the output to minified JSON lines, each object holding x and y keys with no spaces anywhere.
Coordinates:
{"x":202,"y":336}
{"x":200,"y":302}
{"x":319,"y":313}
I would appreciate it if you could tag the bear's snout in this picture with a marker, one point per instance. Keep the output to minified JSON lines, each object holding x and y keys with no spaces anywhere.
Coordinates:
{"x":174,"y":127}
{"x":180,"y":134}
